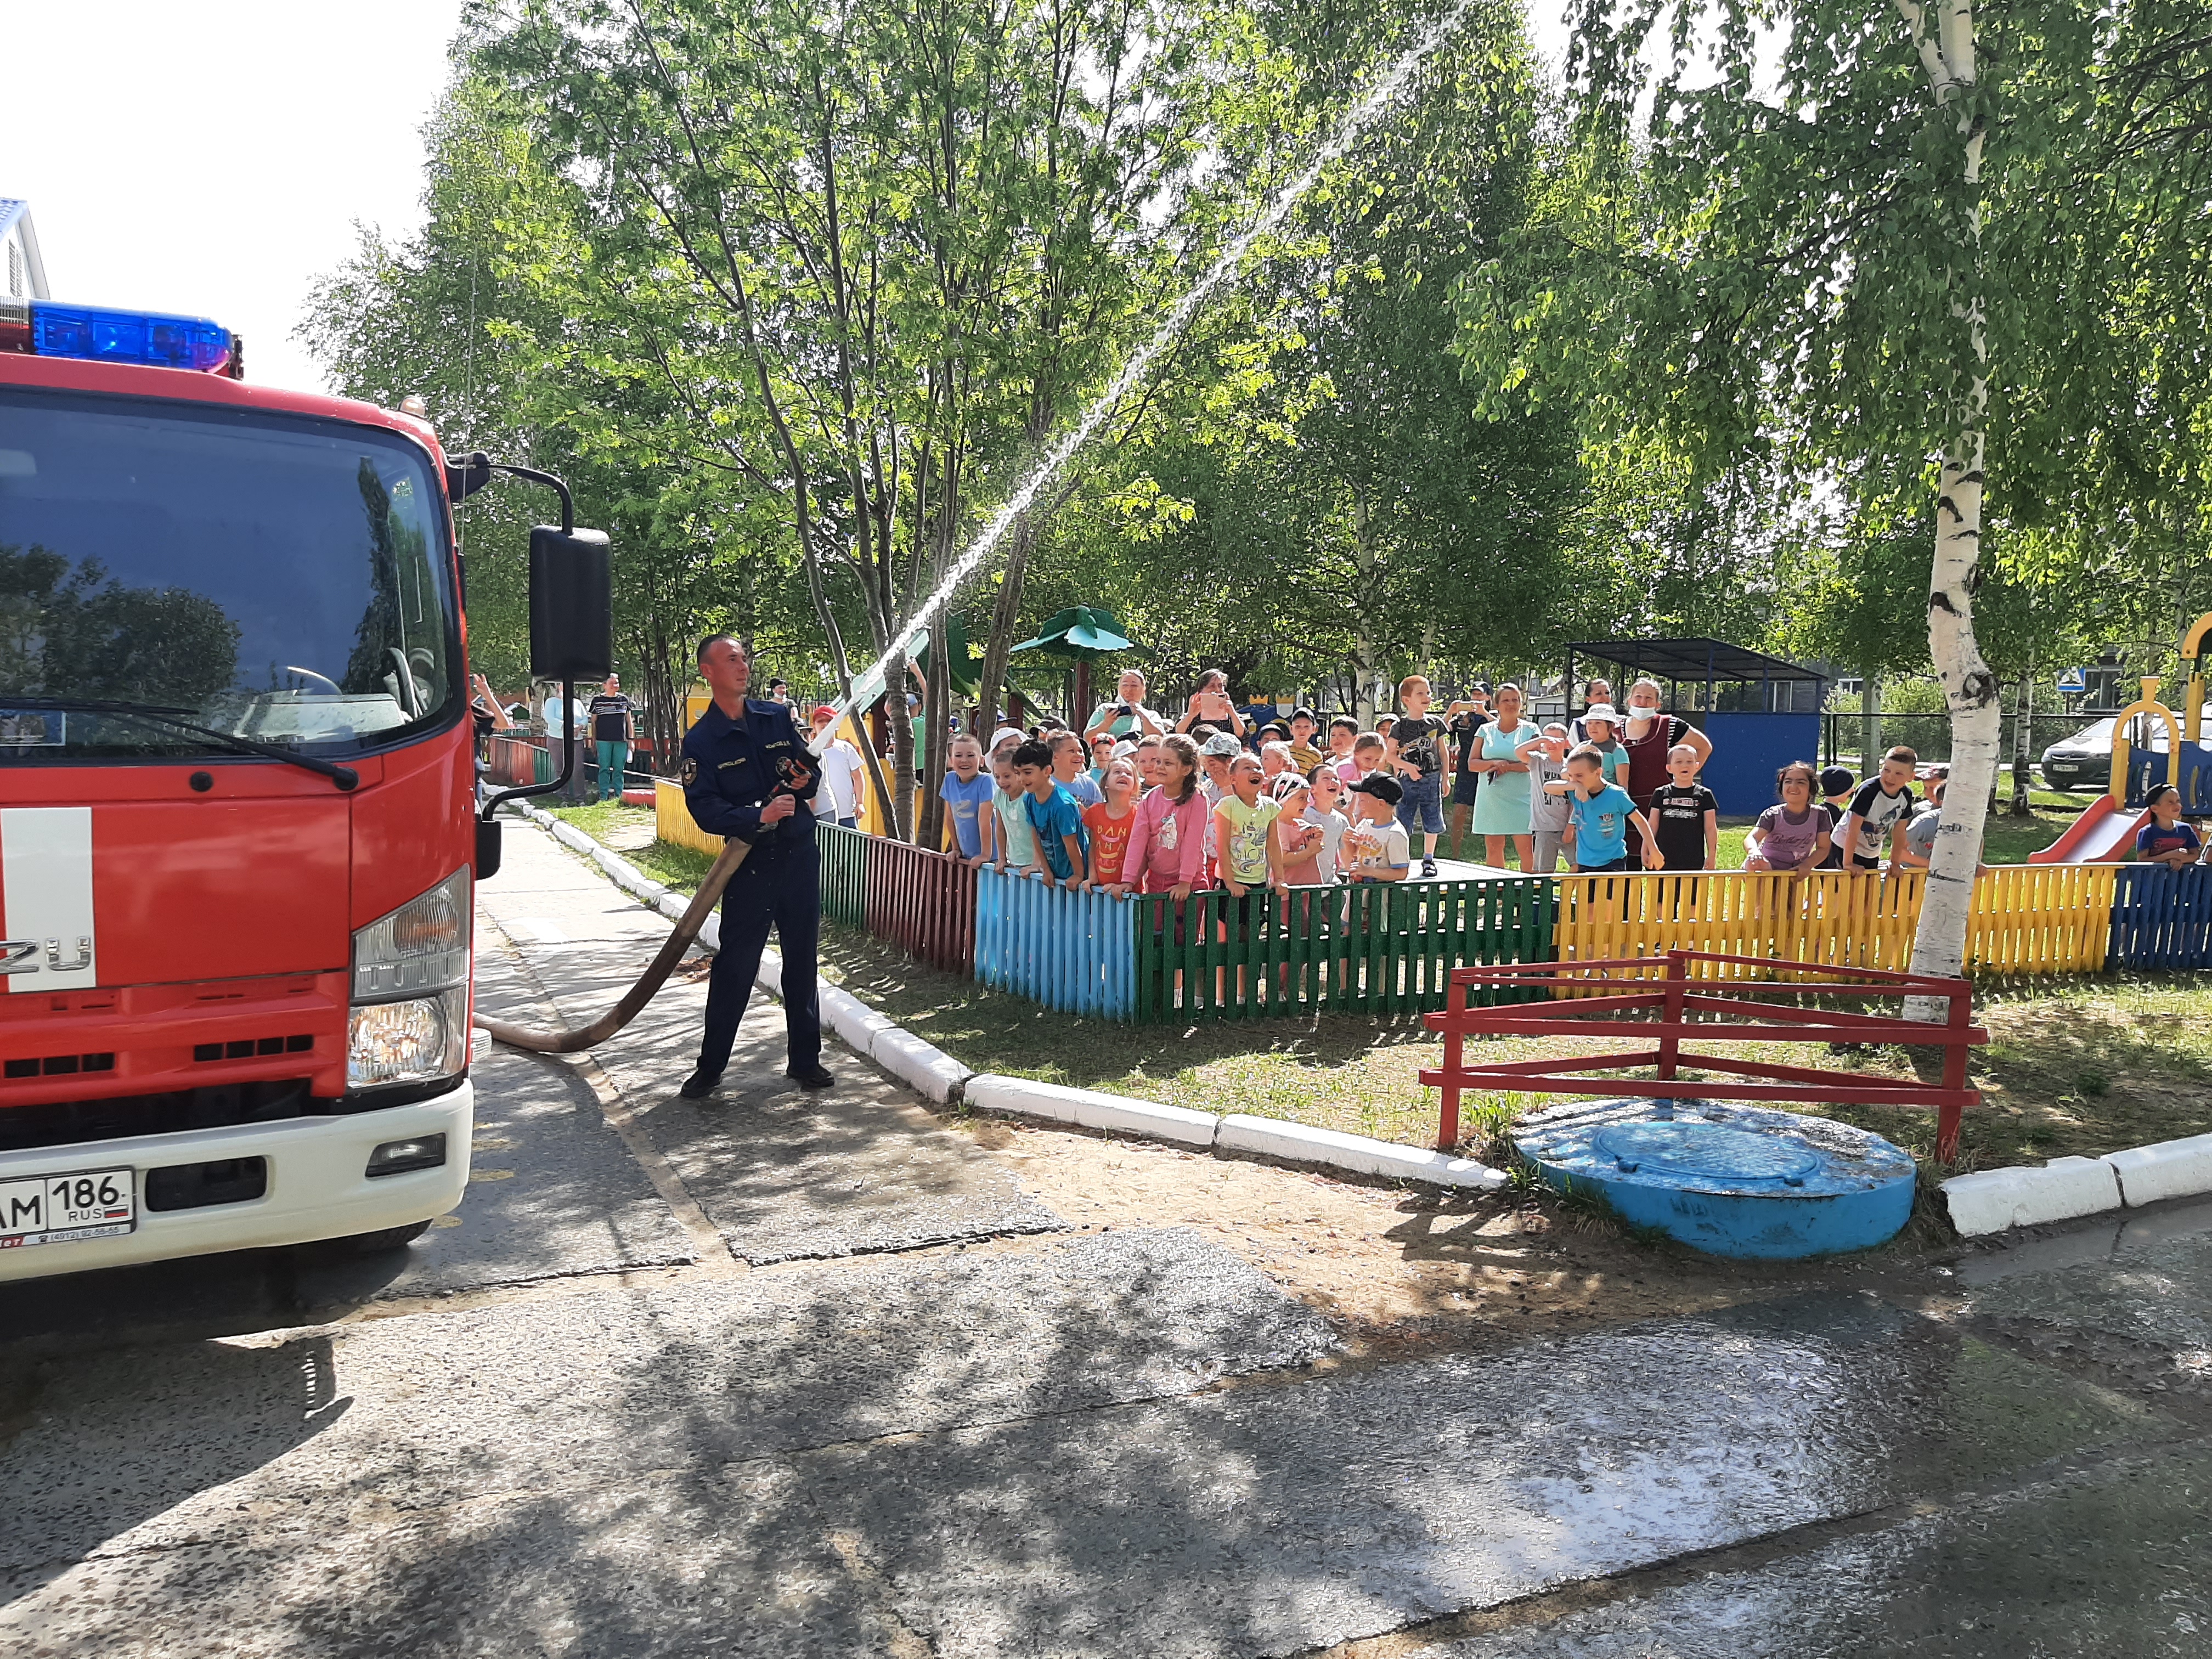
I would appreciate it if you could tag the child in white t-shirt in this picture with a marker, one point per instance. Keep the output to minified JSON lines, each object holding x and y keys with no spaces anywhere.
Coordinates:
{"x":1376,"y":847}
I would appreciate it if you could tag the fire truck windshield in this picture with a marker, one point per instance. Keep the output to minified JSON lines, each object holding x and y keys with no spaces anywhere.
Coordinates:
{"x":284,"y":579}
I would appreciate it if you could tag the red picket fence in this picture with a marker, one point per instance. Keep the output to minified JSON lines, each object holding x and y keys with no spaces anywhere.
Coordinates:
{"x":1793,"y":1006}
{"x":924,"y":901}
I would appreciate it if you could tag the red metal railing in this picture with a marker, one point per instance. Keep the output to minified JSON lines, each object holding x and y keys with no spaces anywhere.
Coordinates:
{"x":1676,"y":1007}
{"x":922,"y":900}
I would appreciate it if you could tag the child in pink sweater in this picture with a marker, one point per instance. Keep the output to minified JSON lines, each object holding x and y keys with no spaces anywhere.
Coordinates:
{"x":1167,"y":844}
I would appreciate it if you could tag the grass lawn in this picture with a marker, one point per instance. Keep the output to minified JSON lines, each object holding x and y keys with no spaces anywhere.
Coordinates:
{"x":2075,"y":1067}
{"x":604,"y":821}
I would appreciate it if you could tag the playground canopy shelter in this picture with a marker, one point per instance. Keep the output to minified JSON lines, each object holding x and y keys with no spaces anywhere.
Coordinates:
{"x":1761,"y":712}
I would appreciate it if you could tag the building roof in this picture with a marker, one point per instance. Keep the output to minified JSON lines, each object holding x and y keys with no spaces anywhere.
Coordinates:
{"x":1694,"y":659}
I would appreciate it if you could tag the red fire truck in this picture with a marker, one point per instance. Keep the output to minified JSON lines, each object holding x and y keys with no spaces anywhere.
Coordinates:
{"x":238,"y":834}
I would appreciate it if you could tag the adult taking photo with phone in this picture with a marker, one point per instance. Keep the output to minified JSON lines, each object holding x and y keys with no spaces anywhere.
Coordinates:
{"x":1126,"y":715}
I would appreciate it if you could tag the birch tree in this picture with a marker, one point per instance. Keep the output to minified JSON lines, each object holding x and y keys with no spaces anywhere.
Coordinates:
{"x":1939,"y":946}
{"x":1779,"y":244}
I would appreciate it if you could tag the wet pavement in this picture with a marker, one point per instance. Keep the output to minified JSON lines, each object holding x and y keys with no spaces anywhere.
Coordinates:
{"x":798,"y":1374}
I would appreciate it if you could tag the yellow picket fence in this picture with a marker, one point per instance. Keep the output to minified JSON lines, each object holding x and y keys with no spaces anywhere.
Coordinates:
{"x":2027,"y":919}
{"x":672,"y":820}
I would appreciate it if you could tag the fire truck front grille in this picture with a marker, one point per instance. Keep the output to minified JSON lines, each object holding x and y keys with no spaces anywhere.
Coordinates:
{"x":58,"y":1065}
{"x":66,"y":1123}
{"x":247,"y":1048}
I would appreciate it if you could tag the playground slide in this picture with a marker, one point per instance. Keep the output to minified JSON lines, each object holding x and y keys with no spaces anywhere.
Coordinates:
{"x":2102,"y":835}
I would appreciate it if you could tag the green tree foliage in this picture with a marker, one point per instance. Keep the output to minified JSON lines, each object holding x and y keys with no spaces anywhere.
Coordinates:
{"x":1318,"y":498}
{"x":870,"y":254}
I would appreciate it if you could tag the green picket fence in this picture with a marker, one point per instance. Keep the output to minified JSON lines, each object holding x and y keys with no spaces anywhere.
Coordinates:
{"x":844,"y":857}
{"x":1376,"y":948}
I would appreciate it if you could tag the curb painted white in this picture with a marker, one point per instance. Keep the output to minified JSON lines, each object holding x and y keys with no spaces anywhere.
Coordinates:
{"x":1092,"y":1110}
{"x":574,"y":838}
{"x":1298,"y":1143}
{"x":923,"y":1067}
{"x":850,"y":1018}
{"x":2172,"y":1168}
{"x":1991,"y":1200}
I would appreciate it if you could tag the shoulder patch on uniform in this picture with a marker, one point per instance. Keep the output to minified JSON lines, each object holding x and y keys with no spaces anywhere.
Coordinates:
{"x":690,"y":770}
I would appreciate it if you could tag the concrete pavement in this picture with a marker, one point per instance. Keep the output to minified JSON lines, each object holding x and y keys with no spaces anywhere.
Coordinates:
{"x":796,"y":1375}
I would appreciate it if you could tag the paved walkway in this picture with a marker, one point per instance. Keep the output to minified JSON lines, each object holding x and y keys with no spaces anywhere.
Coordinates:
{"x":785,"y":1374}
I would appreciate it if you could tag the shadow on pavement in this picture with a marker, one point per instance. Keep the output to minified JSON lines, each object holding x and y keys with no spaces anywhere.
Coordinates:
{"x":850,"y":1456}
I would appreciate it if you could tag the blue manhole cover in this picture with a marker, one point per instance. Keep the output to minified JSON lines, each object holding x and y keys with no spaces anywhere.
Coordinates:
{"x":1705,"y":1150}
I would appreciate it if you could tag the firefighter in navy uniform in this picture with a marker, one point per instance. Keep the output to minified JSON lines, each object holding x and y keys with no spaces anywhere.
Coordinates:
{"x":747,"y":772}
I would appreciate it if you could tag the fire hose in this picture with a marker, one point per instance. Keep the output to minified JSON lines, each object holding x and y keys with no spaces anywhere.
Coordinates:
{"x":664,"y":963}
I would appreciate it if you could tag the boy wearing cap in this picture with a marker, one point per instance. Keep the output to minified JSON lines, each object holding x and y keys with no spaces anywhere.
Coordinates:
{"x":1215,"y":755}
{"x":1376,"y":847}
{"x":841,"y":765}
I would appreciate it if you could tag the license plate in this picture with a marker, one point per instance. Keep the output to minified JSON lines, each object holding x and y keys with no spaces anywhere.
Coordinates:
{"x":57,"y":1208}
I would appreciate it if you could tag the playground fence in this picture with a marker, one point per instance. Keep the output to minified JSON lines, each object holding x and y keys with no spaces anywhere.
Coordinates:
{"x":516,"y":761}
{"x":2161,"y":917}
{"x":1069,"y":951}
{"x":921,"y":901}
{"x":2026,"y":919}
{"x":844,"y":857}
{"x":1374,"y":948}
{"x":1377,"y":950}
{"x":671,"y":821}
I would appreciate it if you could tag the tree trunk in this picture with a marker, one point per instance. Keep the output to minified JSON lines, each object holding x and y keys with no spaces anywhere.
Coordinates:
{"x":2023,"y":724}
{"x":936,"y":710}
{"x":1939,"y":945}
{"x":901,"y":734}
{"x":1367,"y":649}
{"x":999,"y":646}
{"x":1976,"y":726}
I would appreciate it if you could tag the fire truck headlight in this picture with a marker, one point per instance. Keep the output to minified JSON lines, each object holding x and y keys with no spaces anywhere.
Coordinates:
{"x":416,"y":1040}
{"x":423,"y":945}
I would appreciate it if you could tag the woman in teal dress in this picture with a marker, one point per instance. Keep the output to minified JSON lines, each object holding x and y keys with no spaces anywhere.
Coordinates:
{"x":1501,"y":810}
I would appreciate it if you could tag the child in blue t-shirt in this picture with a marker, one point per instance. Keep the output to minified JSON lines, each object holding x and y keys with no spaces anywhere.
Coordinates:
{"x":967,"y":792}
{"x":2166,"y":839}
{"x":1598,"y":816}
{"x":1063,"y":845}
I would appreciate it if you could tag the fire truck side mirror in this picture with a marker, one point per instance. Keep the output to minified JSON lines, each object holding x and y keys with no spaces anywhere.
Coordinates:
{"x":571,"y":604}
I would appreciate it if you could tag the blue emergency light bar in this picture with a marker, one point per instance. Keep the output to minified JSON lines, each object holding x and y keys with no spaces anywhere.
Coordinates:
{"x":101,"y":334}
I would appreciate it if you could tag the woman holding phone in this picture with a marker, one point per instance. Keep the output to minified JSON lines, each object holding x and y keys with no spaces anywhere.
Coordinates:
{"x":1126,"y":716}
{"x":1210,"y":704}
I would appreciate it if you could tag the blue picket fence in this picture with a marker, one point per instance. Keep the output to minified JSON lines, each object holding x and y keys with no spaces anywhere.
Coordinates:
{"x":1069,"y":951}
{"x":2161,"y":917}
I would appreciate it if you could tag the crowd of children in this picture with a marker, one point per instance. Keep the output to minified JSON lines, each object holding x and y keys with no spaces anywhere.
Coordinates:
{"x":1207,"y":804}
